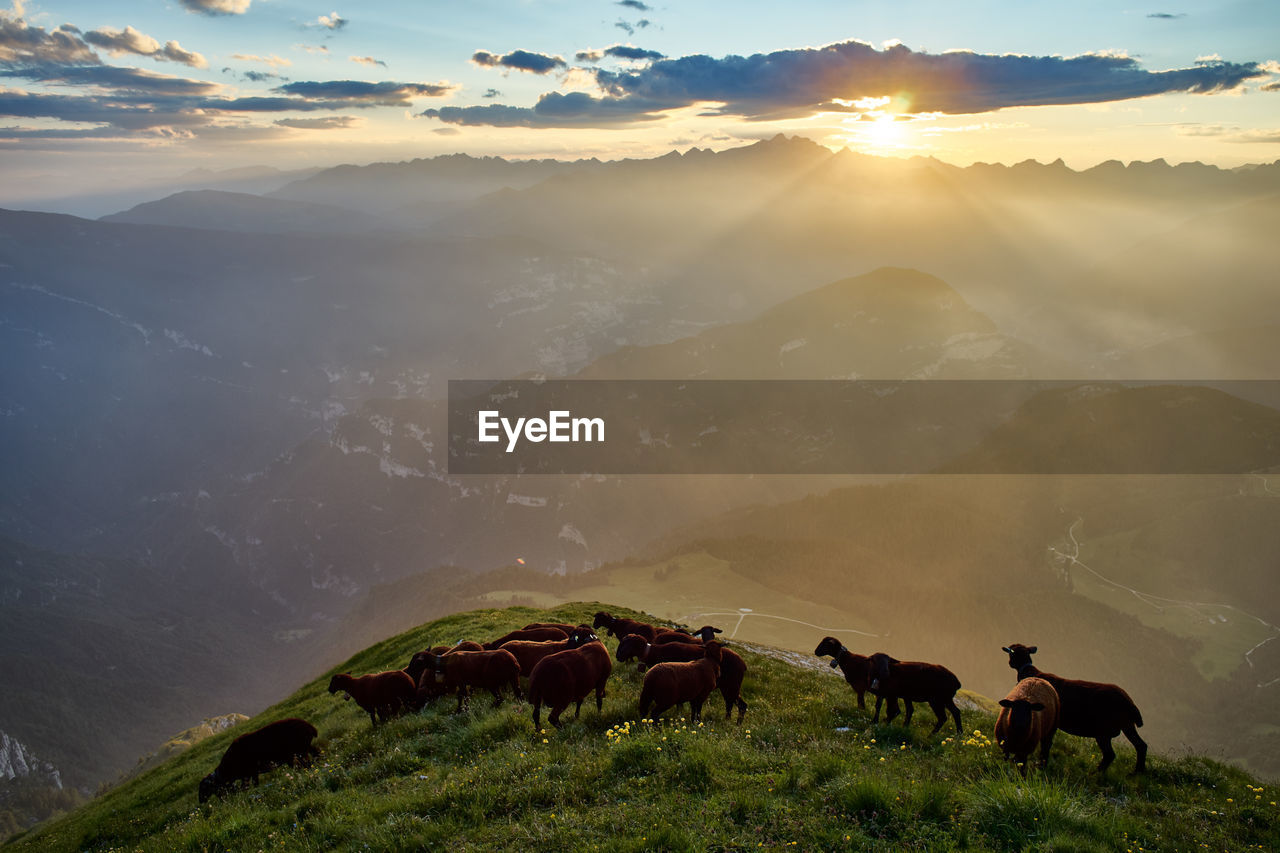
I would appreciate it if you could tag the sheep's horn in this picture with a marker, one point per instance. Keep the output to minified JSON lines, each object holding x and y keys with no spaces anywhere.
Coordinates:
{"x":1006,"y":650}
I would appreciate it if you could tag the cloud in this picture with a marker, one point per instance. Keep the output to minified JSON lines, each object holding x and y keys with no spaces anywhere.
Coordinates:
{"x":129,"y":40}
{"x":313,"y":48}
{"x":332,"y":21}
{"x":519,"y":60}
{"x":324,"y":123}
{"x":491,"y":93}
{"x":216,"y":7}
{"x":273,"y":61}
{"x":1166,"y":16}
{"x":635,"y":4}
{"x":554,"y":109}
{"x":808,"y":81}
{"x":23,"y":45}
{"x":259,"y":76}
{"x":618,"y":51}
{"x":1229,"y":134}
{"x":388,"y":94}
{"x":366,"y":60}
{"x":446,"y":131}
{"x":1273,"y":86}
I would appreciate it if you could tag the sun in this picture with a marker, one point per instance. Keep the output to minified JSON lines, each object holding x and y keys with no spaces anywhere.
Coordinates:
{"x":884,"y":132}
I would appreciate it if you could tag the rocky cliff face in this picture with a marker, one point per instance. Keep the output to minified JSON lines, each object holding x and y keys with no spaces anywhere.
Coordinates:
{"x":16,"y":761}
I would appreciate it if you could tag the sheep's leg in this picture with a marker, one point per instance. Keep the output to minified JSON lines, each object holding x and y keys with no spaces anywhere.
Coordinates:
{"x":861,"y":702}
{"x":939,"y":711}
{"x":695,"y":709}
{"x":907,"y":720}
{"x":537,"y":713}
{"x":742,"y":710}
{"x":875,"y":717}
{"x":1045,"y":743}
{"x":462,"y":693}
{"x":577,"y":711}
{"x":554,"y":717}
{"x":1021,"y":759}
{"x":600,"y":685}
{"x":955,"y":712}
{"x":496,"y":690}
{"x":515,"y":688}
{"x":1108,"y":754}
{"x":1131,"y":732}
{"x":892,"y":710}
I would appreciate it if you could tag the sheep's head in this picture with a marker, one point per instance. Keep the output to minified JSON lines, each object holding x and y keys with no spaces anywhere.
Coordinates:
{"x":420,"y":663}
{"x":602,"y":619}
{"x":1020,"y":715}
{"x":339,"y":682}
{"x":581,"y":636}
{"x":707,"y":633}
{"x":828,"y":646}
{"x":713,"y":651}
{"x":209,"y":786}
{"x":878,"y":669}
{"x":1019,"y":655}
{"x":631,"y":646}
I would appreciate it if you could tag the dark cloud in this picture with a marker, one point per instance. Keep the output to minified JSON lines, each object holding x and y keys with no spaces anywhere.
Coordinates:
{"x":519,"y":60}
{"x":554,"y":109}
{"x":618,"y":51}
{"x":129,"y":40}
{"x":446,"y":131}
{"x":22,"y":45}
{"x":1167,"y":16}
{"x":384,"y":94}
{"x":625,"y":26}
{"x":491,"y":93}
{"x":1273,"y":86}
{"x":259,"y":76}
{"x":122,"y":80}
{"x":635,"y":4}
{"x":324,"y":123}
{"x":217,"y":7}
{"x":807,"y":81}
{"x":367,"y":60}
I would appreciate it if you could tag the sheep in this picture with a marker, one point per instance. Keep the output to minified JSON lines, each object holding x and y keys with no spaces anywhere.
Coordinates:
{"x":535,"y":634}
{"x":913,"y":681}
{"x":1088,"y":708}
{"x":282,"y":742}
{"x":566,"y":677}
{"x":418,"y":663}
{"x":383,"y":694}
{"x":855,"y":669}
{"x":668,"y":684}
{"x":619,"y":627}
{"x":733,"y":668}
{"x":1028,"y":716}
{"x":460,"y":671}
{"x":702,"y":635}
{"x":563,"y":626}
{"x":528,"y":652}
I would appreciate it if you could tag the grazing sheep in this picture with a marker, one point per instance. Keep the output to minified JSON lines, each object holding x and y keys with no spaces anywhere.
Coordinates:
{"x":855,"y":668}
{"x":282,"y":742}
{"x":563,"y":678}
{"x":535,"y":634}
{"x":619,"y":627}
{"x":913,"y":681}
{"x":563,"y":626}
{"x":461,"y":671}
{"x":668,"y":684}
{"x":1088,"y":708}
{"x":418,"y":663}
{"x":733,"y":668}
{"x":383,"y":694}
{"x":1028,"y":717}
{"x":702,"y":635}
{"x":528,"y":652}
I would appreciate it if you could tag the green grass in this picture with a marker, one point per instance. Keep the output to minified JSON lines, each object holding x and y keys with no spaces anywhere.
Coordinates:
{"x":806,"y":770}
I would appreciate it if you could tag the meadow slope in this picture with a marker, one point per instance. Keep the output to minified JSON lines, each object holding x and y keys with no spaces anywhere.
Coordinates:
{"x":806,"y":770}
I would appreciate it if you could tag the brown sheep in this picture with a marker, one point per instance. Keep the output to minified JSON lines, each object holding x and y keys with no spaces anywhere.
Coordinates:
{"x":282,"y":742}
{"x":563,"y":678}
{"x":1028,"y":717}
{"x":733,"y":668}
{"x":702,"y":635}
{"x":563,"y":626}
{"x":1088,"y":708}
{"x":383,"y":694}
{"x":913,"y":681}
{"x":537,"y":635}
{"x":428,"y":689}
{"x":855,"y":668}
{"x":619,"y":627}
{"x":460,"y":671}
{"x":669,"y":684}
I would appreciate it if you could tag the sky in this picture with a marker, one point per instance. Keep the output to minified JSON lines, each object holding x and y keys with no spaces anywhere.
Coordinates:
{"x":96,"y":93}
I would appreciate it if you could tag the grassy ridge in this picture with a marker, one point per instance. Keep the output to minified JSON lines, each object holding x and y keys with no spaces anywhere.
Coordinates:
{"x":805,"y":770}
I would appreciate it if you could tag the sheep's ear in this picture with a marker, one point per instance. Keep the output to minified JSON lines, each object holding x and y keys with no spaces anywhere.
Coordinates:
{"x":717,"y":630}
{"x":1006,"y":650}
{"x":1033,"y":650}
{"x":1037,"y":706}
{"x":1005,"y":703}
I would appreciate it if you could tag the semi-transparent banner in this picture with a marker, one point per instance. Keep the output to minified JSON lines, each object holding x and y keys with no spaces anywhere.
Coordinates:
{"x":586,"y":427}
